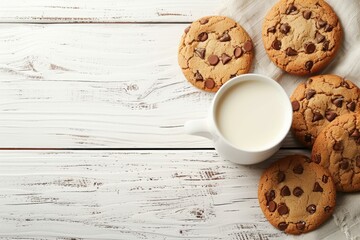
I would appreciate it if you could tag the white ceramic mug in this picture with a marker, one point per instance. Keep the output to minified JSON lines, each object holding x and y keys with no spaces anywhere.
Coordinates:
{"x":227,"y":149}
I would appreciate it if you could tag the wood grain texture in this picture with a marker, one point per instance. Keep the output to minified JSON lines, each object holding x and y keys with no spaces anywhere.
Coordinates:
{"x":80,"y":11}
{"x":68,"y":86}
{"x":130,"y":195}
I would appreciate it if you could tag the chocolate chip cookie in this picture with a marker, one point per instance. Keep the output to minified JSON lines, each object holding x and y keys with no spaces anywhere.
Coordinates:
{"x":296,"y":195}
{"x":337,"y":148}
{"x":301,"y":36}
{"x":213,"y":50}
{"x":318,"y":102}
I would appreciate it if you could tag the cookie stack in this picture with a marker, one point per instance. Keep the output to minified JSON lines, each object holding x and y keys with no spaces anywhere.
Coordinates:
{"x":318,"y":102}
{"x":296,"y":194}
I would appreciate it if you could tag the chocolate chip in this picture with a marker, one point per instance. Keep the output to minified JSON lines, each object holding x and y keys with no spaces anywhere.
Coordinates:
{"x":270,"y":196}
{"x":248,"y":46}
{"x":311,"y":209}
{"x":298,"y":191}
{"x":330,"y":115}
{"x":319,"y":38}
{"x":295,"y":105}
{"x":291,"y":52}
{"x":284,"y":28}
{"x":272,"y":206}
{"x":317,"y":158}
{"x":213,"y":60}
{"x":344,"y":164}
{"x":309,"y":65}
{"x":326,"y":46}
{"x":307,"y":14}
{"x":358,"y":161}
{"x":321,"y":23}
{"x":327,"y":209}
{"x":282,"y":226}
{"x":345,"y":84}
{"x":298,"y":169}
{"x":325,"y":178}
{"x":238,"y":52}
{"x":198,"y":76}
{"x":290,"y":9}
{"x":309,"y":47}
{"x":308,"y":82}
{"x":282,"y":209}
{"x":225,"y":58}
{"x":317,"y":116}
{"x":300,"y":225}
{"x":306,"y":159}
{"x":310,"y":93}
{"x":202,"y":37}
{"x":204,"y":21}
{"x":351,"y":106}
{"x":308,"y":137}
{"x":271,"y":29}
{"x":338,"y":101}
{"x":317,"y":187}
{"x":225,"y":38}
{"x":209,"y":83}
{"x":355,"y":134}
{"x":186,"y":30}
{"x":200,"y":52}
{"x":276,"y":44}
{"x":285,"y":191}
{"x":338,"y":146}
{"x":328,"y":28}
{"x":280,"y":176}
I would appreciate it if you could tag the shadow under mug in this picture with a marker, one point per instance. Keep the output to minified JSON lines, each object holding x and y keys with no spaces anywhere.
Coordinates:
{"x":208,"y":127}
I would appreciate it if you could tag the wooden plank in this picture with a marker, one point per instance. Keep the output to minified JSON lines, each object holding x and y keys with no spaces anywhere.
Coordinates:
{"x":80,"y":11}
{"x":68,"y":86}
{"x":130,"y":195}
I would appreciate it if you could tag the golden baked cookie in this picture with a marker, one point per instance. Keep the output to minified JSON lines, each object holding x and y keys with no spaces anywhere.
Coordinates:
{"x":337,"y":148}
{"x":301,"y":36}
{"x":213,"y":50}
{"x":318,"y":102}
{"x":296,"y":195}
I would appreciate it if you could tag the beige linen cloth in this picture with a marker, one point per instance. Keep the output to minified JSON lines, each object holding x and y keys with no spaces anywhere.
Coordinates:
{"x":345,"y":223}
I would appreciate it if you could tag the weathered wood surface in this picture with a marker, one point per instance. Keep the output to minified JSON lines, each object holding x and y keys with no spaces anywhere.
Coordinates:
{"x":70,"y":86}
{"x":79,"y":11}
{"x":131,"y":195}
{"x":119,"y":86}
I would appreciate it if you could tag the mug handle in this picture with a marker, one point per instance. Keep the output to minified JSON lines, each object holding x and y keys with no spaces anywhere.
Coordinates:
{"x":198,"y":127}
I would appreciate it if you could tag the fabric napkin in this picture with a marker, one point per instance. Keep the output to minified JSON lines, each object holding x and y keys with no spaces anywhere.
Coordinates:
{"x":250,"y":14}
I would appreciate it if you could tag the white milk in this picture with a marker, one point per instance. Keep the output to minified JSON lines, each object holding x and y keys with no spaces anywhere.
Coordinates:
{"x":251,"y":115}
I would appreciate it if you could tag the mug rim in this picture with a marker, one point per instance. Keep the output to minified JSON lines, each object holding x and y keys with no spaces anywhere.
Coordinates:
{"x":259,"y":77}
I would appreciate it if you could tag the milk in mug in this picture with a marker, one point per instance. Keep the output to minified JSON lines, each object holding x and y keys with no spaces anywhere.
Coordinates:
{"x":251,"y":115}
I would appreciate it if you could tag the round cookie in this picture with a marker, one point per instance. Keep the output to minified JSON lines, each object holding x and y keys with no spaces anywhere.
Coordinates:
{"x":213,"y":50}
{"x":338,"y":149}
{"x":296,"y":195}
{"x":318,"y":102}
{"x":301,"y":36}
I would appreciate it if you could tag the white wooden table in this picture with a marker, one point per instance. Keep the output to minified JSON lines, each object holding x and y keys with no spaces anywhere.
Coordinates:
{"x":92,"y":108}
